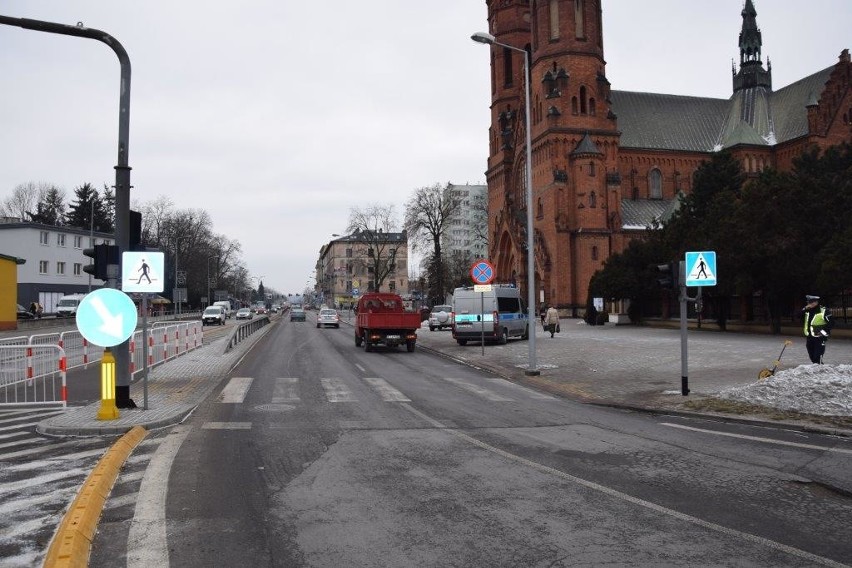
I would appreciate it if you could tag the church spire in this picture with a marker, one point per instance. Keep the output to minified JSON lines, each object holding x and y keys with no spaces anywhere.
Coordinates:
{"x":752,"y":73}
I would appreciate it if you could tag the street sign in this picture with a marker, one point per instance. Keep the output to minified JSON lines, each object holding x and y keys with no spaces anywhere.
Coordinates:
{"x":482,"y":287}
{"x":106,"y":317}
{"x":179,"y":295}
{"x":142,"y":271}
{"x":701,"y":268}
{"x":482,"y":272}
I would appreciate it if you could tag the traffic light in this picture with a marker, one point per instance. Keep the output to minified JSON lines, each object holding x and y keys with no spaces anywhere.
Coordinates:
{"x":667,"y":275}
{"x":135,"y":230}
{"x":102,"y":256}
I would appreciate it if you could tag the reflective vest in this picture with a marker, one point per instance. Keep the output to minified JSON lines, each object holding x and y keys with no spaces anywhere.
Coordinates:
{"x":814,"y":323}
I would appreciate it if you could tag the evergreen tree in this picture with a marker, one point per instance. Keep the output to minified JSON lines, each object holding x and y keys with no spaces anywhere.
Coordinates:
{"x":88,"y":203}
{"x":51,"y":209}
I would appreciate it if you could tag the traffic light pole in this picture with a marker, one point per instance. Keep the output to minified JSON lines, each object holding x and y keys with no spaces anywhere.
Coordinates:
{"x":122,"y":170}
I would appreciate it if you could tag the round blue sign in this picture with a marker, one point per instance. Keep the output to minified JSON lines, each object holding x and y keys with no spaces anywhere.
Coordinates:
{"x":482,"y":272}
{"x":106,"y":317}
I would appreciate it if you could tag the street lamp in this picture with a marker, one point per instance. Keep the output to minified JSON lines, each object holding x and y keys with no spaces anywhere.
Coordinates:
{"x":482,"y":37}
{"x":209,"y":302}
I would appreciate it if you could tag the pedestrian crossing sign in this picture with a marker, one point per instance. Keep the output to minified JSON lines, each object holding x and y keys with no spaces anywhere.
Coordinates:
{"x":701,"y":268}
{"x":142,"y":271}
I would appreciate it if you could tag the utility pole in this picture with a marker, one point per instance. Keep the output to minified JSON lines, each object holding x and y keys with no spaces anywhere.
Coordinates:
{"x":122,"y":169}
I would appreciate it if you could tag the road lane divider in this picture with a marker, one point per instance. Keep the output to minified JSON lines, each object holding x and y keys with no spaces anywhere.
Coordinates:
{"x":72,"y":543}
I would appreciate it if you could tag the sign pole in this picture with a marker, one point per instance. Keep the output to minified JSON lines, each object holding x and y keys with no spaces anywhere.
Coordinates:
{"x":145,"y":350}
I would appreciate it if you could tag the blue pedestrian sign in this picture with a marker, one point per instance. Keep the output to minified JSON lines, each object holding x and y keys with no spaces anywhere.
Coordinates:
{"x":106,"y":317}
{"x":142,"y":271}
{"x":701,"y":268}
{"x":482,"y":272}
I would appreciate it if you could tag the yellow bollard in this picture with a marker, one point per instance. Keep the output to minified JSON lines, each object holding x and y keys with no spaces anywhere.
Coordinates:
{"x":108,"y":410}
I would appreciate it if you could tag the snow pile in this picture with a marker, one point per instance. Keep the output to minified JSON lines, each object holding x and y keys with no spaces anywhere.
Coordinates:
{"x":812,"y":389}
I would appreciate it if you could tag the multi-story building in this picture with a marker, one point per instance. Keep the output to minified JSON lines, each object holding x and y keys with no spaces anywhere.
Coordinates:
{"x":54,"y":260}
{"x":467,"y":226}
{"x":606,"y":163}
{"x":348,"y":265}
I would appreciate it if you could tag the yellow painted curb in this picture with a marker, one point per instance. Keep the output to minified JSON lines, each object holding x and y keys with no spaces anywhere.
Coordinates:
{"x":72,"y":542}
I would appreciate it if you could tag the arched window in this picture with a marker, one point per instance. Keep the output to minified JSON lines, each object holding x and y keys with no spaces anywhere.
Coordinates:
{"x":594,"y":253}
{"x":592,"y":168}
{"x":507,"y":67}
{"x":583,"y":100}
{"x":540,"y":208}
{"x":579,"y":20}
{"x":655,"y":181}
{"x":592,"y":109}
{"x":593,"y":199}
{"x":574,"y":105}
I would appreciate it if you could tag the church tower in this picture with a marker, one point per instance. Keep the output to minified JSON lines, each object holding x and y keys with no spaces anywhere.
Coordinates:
{"x":575,"y":138}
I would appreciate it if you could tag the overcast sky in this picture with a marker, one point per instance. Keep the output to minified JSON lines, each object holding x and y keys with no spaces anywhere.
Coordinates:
{"x":278,"y":116}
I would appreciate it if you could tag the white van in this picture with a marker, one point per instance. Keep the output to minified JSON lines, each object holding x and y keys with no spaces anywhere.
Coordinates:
{"x":67,"y":305}
{"x":495,"y":316}
{"x":226,"y":305}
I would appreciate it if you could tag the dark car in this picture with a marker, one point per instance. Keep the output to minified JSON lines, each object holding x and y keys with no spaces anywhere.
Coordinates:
{"x":23,"y":314}
{"x":297,"y":314}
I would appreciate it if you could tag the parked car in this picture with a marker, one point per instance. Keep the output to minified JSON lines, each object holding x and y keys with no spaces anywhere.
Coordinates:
{"x":297,"y":314}
{"x":439,"y":317}
{"x":24,"y":314}
{"x":328,"y":316}
{"x":213,"y":315}
{"x":244,"y":314}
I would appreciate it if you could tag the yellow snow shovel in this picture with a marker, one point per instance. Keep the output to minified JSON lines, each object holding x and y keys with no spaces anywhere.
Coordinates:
{"x":766,"y":373}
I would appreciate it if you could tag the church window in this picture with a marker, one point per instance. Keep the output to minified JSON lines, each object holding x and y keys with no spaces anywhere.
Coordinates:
{"x":540,"y":208}
{"x":655,"y":179}
{"x":593,"y":199}
{"x":594,"y":253}
{"x":592,"y":169}
{"x":574,"y":105}
{"x":635,"y":194}
{"x":507,"y":67}
{"x":554,"y":19}
{"x":583,"y":102}
{"x":592,"y":110}
{"x":579,"y":21}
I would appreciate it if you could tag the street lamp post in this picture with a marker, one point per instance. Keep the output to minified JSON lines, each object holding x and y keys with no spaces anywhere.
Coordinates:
{"x":209,"y":300}
{"x":482,"y":37}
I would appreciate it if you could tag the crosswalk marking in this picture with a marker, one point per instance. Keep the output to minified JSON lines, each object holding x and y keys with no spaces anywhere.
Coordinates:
{"x":478,"y":390}
{"x":337,"y":391}
{"x":285,"y":390}
{"x":226,"y":426}
{"x":527,"y":391}
{"x":387,"y":392}
{"x":236,"y":389}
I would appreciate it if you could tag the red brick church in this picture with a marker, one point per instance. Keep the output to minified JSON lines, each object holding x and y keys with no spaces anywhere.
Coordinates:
{"x":606,"y":163}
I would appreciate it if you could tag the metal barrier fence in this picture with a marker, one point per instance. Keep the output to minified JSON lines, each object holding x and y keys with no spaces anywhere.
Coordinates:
{"x":26,"y":358}
{"x":33,"y":374}
{"x":243,"y":330}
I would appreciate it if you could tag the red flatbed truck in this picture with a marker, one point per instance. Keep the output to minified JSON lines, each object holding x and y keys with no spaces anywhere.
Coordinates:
{"x":381,"y":320}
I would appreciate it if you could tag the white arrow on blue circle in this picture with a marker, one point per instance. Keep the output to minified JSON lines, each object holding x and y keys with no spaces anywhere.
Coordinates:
{"x":112,"y":324}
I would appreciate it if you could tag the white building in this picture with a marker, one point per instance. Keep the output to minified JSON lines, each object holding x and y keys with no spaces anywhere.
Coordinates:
{"x":54,"y":260}
{"x":467,"y":227}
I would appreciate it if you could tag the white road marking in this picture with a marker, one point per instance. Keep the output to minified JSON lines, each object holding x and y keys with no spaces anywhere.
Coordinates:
{"x":386,"y":391}
{"x":360,"y":368}
{"x":38,"y":450}
{"x":37,"y":417}
{"x":226,"y":426}
{"x":478,"y":390}
{"x":236,"y":389}
{"x":147,"y":544}
{"x":757,"y":439}
{"x":285,"y":390}
{"x":527,"y":391}
{"x":337,"y":391}
{"x":629,"y":498}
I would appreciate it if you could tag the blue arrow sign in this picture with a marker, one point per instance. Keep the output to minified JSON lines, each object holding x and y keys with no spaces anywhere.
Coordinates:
{"x":701,"y":268}
{"x":106,"y":317}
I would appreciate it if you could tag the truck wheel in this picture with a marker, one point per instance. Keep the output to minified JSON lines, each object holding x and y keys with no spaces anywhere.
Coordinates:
{"x":461,"y":341}
{"x":357,"y":340}
{"x":504,"y":337}
{"x":526,"y":334}
{"x":409,"y":345}
{"x":367,"y":345}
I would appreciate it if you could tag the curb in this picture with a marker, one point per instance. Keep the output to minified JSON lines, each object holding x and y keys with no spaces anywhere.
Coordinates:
{"x":72,"y":542}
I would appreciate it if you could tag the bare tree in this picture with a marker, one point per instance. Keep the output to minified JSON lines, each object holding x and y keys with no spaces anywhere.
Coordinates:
{"x":426,"y":217}
{"x":374,"y":226}
{"x":25,"y":199}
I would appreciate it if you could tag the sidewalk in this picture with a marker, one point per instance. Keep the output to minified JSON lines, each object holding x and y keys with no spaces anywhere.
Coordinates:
{"x":175,"y":388}
{"x":625,"y":366}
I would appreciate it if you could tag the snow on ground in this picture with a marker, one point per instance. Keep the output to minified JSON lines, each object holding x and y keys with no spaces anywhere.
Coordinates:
{"x":812,"y":389}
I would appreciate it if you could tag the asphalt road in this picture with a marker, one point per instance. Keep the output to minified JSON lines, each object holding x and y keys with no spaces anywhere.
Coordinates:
{"x":315,"y":453}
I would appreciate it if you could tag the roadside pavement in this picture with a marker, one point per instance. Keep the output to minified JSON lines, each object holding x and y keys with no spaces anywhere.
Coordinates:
{"x":625,"y":366}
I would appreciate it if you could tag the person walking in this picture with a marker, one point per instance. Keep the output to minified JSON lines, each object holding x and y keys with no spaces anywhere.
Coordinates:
{"x":818,"y":324}
{"x":551,"y":320}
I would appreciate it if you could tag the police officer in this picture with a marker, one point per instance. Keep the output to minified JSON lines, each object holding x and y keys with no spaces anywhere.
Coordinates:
{"x":818,"y":324}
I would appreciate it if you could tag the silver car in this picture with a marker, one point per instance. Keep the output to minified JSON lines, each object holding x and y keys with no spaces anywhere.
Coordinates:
{"x":439,"y":317}
{"x":327,"y":316}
